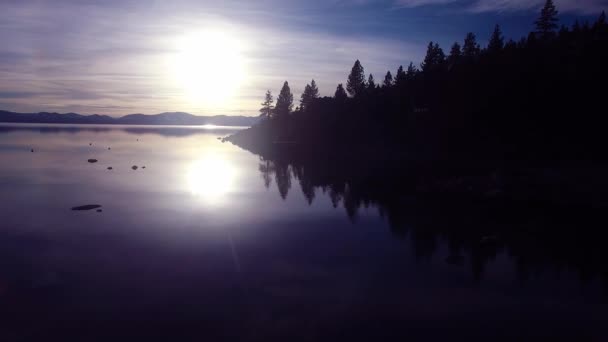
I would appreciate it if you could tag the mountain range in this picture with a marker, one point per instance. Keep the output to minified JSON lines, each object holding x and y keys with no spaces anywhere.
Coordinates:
{"x":171,"y":118}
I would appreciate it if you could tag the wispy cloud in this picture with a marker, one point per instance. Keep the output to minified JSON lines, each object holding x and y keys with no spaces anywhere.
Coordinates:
{"x":577,"y":6}
{"x":115,"y":57}
{"x":112,"y":59}
{"x":481,"y":6}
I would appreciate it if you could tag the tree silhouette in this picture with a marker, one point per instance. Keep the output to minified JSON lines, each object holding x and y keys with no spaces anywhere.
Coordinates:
{"x":470,"y":48}
{"x":400,"y":77}
{"x":314,"y":90}
{"x":311,"y":92}
{"x":388,"y":80}
{"x":434,"y":57}
{"x":355,"y":84}
{"x":266,"y":110}
{"x":305,"y":98}
{"x":284,"y":101}
{"x":371,"y":83}
{"x":411,"y":72}
{"x":340,"y":94}
{"x":455,"y":54}
{"x":496,"y":41}
{"x":546,"y":24}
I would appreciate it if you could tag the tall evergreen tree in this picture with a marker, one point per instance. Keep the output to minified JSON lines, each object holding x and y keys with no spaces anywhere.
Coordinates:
{"x":371,"y":83}
{"x":388,"y":80}
{"x":305,"y":97}
{"x":314,"y":90}
{"x":400,"y":77}
{"x":455,"y":54}
{"x":266,"y":110}
{"x":546,"y":24}
{"x":497,"y":41}
{"x":356,"y":80}
{"x":340,"y":94}
{"x":284,"y":101}
{"x":310,"y":93}
{"x":434,"y":57}
{"x":470,"y":48}
{"x":411,"y":72}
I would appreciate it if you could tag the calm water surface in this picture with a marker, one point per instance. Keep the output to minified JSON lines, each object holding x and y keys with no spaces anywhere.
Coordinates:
{"x":209,"y":242}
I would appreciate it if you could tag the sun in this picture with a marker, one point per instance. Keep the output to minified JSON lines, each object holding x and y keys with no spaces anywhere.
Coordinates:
{"x":209,"y":68}
{"x":211,"y":178}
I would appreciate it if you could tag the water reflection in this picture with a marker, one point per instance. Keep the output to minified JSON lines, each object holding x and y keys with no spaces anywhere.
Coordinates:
{"x":167,"y":131}
{"x":211,"y":177}
{"x":256,"y":249}
{"x":539,"y":237}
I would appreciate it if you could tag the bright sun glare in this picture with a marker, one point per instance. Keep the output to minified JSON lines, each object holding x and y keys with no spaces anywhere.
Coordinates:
{"x":210,"y":68}
{"x":211,"y":178}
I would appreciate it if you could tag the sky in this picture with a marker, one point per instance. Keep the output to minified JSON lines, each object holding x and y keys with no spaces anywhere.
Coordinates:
{"x":208,"y":57}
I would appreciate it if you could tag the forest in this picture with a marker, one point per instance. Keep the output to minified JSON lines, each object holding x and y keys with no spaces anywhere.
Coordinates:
{"x":535,"y":100}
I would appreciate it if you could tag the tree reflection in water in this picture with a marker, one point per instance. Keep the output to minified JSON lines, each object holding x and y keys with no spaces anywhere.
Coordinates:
{"x":478,"y":217}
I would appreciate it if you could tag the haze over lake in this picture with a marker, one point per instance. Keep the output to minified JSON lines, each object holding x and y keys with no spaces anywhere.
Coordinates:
{"x":201,"y":245}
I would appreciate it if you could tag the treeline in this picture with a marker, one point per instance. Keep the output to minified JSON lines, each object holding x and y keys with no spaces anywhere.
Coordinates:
{"x":539,"y":98}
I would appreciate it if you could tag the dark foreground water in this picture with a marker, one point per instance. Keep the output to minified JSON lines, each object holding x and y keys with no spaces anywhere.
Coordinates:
{"x":208,"y":243}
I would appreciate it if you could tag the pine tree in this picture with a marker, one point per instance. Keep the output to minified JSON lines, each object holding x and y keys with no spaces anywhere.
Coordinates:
{"x":400,"y":77}
{"x":356,"y":80}
{"x":371,"y":83}
{"x":546,"y":24}
{"x":314,"y":90}
{"x":284,"y":101}
{"x":340,"y":94}
{"x":310,"y":93}
{"x":305,"y":98}
{"x":266,"y":110}
{"x":455,"y":54}
{"x":434,"y":57}
{"x":470,"y":48}
{"x":388,"y":80}
{"x":411,"y":72}
{"x":497,"y":41}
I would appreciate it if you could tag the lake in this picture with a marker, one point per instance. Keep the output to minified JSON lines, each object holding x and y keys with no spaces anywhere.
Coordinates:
{"x":211,"y":242}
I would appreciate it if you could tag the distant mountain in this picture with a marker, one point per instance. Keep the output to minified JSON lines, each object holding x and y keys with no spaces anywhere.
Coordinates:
{"x":173,"y":118}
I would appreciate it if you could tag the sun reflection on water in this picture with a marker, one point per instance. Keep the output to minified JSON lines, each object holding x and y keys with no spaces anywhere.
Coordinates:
{"x":211,"y":178}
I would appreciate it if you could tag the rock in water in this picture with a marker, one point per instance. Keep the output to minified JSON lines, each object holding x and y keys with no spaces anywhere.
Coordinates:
{"x":92,"y":160}
{"x":134,"y":167}
{"x":32,"y":150}
{"x":109,"y":148}
{"x":99,"y":210}
{"x":109,"y":168}
{"x":143,"y":167}
{"x":87,"y":207}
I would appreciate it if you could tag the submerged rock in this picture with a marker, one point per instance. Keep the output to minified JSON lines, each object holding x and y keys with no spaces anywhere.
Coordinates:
{"x":99,"y":210}
{"x":92,"y":160}
{"x":134,"y":167}
{"x":90,"y":144}
{"x":87,"y":207}
{"x":143,"y":167}
{"x":109,"y":168}
{"x":32,"y":150}
{"x":109,"y":148}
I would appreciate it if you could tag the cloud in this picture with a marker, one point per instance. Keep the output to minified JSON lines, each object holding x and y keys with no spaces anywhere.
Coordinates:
{"x":418,"y":3}
{"x":73,"y":55}
{"x":576,"y":6}
{"x":481,"y":6}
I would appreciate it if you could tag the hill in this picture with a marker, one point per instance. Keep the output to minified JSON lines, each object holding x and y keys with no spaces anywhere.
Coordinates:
{"x":172,"y":118}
